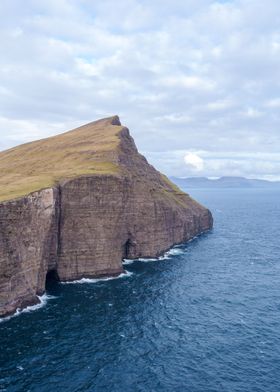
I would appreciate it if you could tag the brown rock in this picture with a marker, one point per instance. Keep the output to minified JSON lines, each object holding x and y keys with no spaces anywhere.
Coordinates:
{"x":117,"y":206}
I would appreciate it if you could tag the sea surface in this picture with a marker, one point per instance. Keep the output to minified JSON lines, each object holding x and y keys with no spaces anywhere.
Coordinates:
{"x":204,"y":318}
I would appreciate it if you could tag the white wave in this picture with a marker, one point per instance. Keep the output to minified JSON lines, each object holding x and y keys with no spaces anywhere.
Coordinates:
{"x":125,"y":274}
{"x":128,"y":261}
{"x":174,"y":252}
{"x":165,"y":256}
{"x":142,"y":259}
{"x":192,"y":239}
{"x":147,"y":260}
{"x":43,"y":301}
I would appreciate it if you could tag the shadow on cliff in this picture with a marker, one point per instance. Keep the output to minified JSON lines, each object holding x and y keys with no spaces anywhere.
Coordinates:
{"x":52,"y":281}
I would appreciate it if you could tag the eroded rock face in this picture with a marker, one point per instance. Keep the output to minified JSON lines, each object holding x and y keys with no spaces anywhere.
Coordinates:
{"x":106,"y":219}
{"x":28,"y":247}
{"x":85,"y":226}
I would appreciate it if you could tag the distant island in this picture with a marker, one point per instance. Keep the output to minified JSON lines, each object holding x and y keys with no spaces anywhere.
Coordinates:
{"x":223,"y":182}
{"x":75,"y":205}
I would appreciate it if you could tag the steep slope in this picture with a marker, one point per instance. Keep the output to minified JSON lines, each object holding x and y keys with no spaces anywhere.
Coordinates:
{"x":79,"y":203}
{"x":90,"y":149}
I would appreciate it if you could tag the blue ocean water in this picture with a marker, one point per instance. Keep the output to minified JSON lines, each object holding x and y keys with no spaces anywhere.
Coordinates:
{"x":206,"y":318}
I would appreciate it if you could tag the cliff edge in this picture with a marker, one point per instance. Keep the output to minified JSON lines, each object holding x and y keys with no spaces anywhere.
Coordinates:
{"x":78,"y":203}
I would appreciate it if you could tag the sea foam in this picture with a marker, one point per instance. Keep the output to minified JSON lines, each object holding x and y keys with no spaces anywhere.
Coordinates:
{"x":125,"y":274}
{"x":175,"y":251}
{"x":43,"y":301}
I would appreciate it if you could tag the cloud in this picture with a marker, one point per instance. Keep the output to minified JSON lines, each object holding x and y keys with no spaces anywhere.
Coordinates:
{"x":252,"y":113}
{"x":193,"y":161}
{"x":273,"y":103}
{"x":249,"y":164}
{"x":188,"y":82}
{"x":196,"y":75}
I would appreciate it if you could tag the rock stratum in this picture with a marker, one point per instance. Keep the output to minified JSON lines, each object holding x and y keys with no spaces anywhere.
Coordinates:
{"x":77,"y":204}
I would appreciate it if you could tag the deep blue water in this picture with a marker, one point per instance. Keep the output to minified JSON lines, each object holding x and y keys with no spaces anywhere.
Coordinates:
{"x":205,"y":319}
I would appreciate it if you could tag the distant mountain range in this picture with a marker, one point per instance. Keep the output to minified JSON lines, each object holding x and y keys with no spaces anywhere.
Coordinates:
{"x":224,"y":182}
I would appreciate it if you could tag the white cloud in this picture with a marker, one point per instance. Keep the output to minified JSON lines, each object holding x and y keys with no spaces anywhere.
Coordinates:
{"x":252,"y":165}
{"x":175,"y":118}
{"x":189,"y":82}
{"x":195,"y":75}
{"x":252,"y":113}
{"x":220,"y":105}
{"x":194,"y":161}
{"x":273,"y":103}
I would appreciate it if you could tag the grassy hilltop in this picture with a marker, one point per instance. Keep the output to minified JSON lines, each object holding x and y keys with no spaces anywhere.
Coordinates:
{"x":89,"y":149}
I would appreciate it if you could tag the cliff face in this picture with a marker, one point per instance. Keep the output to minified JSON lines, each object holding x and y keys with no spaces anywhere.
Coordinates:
{"x":28,"y":247}
{"x":84,"y":225}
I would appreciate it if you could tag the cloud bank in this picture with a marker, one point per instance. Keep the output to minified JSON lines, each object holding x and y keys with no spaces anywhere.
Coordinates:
{"x":192,"y":78}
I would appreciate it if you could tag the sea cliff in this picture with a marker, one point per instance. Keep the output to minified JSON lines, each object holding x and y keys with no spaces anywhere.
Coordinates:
{"x":78,"y":203}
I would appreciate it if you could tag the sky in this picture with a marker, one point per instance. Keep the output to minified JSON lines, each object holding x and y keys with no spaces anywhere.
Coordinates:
{"x":196,"y":81}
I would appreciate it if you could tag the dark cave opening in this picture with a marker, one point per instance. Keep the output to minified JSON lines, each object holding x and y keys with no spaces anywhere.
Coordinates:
{"x":51,"y":278}
{"x":126,"y":249}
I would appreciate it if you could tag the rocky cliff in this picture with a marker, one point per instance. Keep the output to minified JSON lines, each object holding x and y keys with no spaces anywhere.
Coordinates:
{"x":78,"y":203}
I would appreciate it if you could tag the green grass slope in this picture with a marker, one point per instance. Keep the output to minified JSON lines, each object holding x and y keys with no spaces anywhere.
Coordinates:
{"x":90,"y":149}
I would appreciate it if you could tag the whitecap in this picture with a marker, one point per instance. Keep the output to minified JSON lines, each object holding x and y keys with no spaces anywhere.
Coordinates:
{"x":43,"y":301}
{"x":125,"y":274}
{"x":192,"y":239}
{"x":142,"y":259}
{"x":128,"y":261}
{"x":164,"y":257}
{"x":147,"y":260}
{"x":175,"y":251}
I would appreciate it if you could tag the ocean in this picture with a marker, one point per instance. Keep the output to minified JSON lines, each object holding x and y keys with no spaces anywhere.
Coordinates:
{"x":203,"y":318}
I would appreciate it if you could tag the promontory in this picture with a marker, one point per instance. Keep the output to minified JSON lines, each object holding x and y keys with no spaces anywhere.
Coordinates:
{"x":77,"y":204}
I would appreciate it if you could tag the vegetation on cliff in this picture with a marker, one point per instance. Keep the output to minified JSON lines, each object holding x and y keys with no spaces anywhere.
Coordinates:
{"x":84,"y":151}
{"x":94,"y":201}
{"x":92,"y":149}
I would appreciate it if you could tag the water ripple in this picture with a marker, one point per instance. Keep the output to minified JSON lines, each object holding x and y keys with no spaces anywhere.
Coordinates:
{"x":205,"y":318}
